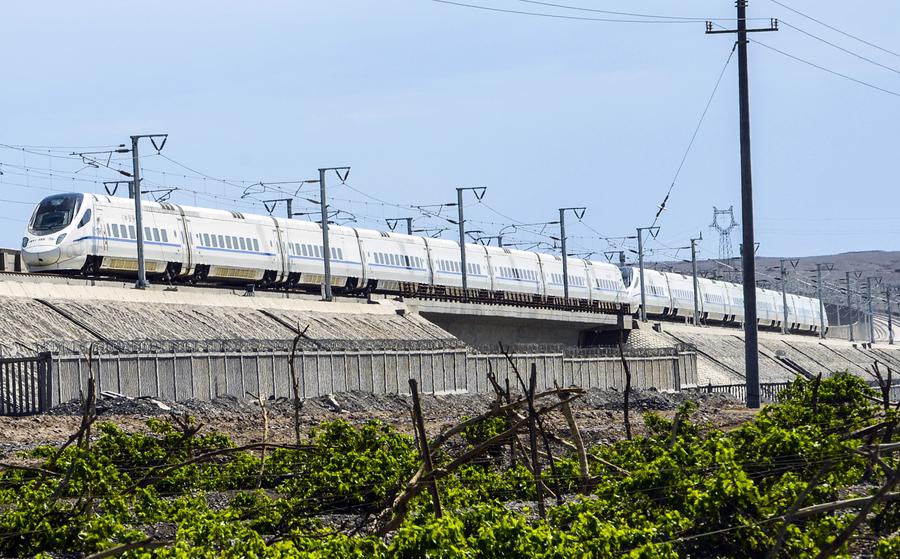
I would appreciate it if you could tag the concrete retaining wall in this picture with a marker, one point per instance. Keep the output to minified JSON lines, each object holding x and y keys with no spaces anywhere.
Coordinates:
{"x":205,"y":375}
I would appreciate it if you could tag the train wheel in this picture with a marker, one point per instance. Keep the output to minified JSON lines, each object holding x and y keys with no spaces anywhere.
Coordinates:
{"x":173,"y":269}
{"x":268,"y":279}
{"x":92,"y":266}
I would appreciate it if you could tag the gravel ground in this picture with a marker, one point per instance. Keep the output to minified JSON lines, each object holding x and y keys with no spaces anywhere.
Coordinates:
{"x":599,"y":414}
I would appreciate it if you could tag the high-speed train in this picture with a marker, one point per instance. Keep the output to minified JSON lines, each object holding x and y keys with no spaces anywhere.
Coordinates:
{"x":95,"y":234}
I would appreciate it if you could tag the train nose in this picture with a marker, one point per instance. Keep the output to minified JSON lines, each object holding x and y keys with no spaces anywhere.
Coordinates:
{"x":40,"y":256}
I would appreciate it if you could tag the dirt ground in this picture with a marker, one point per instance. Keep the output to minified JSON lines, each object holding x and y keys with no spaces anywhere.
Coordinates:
{"x":598,"y":413}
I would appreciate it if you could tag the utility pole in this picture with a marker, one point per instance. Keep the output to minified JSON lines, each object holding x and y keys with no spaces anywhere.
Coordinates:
{"x":751,"y":347}
{"x":828,"y":267}
{"x":579,"y":213}
{"x":654,"y":231}
{"x":849,"y":307}
{"x":479,"y":194}
{"x":890,"y":312}
{"x":323,"y":204}
{"x":785,"y":327}
{"x":141,"y":282}
{"x":694,"y":272}
{"x":394,"y":221}
{"x":870,"y":312}
{"x":289,"y":203}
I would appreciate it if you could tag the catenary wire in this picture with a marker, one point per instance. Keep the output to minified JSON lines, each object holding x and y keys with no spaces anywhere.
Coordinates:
{"x":840,"y":48}
{"x":824,"y":69}
{"x":628,"y":14}
{"x":835,"y":29}
{"x":690,"y":145}
{"x":559,"y":16}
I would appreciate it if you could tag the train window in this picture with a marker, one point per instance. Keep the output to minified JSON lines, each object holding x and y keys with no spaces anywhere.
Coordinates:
{"x":228,"y":241}
{"x":215,"y":243}
{"x":115,"y":230}
{"x":303,"y":250}
{"x":318,"y":251}
{"x":85,"y":218}
{"x":221,"y":241}
{"x":156,"y":234}
{"x":243,"y":243}
{"x":206,"y":239}
{"x":131,"y":232}
{"x":340,"y":253}
{"x":234,"y":242}
{"x":255,"y":245}
{"x":147,"y":234}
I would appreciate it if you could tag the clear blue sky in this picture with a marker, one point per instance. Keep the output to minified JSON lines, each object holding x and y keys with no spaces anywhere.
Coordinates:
{"x":421,"y":97}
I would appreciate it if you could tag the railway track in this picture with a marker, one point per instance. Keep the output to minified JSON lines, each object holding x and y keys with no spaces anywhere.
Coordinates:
{"x":409,"y":291}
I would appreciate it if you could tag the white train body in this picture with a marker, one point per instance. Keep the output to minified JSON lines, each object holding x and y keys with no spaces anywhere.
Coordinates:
{"x":94,"y":234}
{"x":672,"y":294}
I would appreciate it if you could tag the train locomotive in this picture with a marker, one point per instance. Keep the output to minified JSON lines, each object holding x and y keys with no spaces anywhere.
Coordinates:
{"x":95,"y":235}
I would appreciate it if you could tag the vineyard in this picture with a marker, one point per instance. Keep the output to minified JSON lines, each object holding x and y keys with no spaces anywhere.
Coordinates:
{"x":811,"y":476}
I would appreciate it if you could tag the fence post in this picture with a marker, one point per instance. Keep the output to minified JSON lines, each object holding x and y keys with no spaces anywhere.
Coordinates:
{"x":44,"y":381}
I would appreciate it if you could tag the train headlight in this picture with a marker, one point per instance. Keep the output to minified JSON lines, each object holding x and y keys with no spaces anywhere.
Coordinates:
{"x":60,"y":238}
{"x":24,"y":242}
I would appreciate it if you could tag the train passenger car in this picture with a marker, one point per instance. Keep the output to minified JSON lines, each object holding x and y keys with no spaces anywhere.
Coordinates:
{"x":682,"y":289}
{"x":606,"y":284}
{"x":767,"y":308}
{"x":390,"y":259}
{"x":713,"y":300}
{"x":735,"y":297}
{"x":517,"y":274}
{"x":446,"y":264}
{"x":231,"y":246}
{"x":656,"y":290}
{"x":579,"y":283}
{"x":302,"y":243}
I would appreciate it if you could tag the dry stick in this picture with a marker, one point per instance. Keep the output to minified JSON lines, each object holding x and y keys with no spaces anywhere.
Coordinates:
{"x":512,"y":442}
{"x":815,"y":396}
{"x":423,"y":447}
{"x":532,"y":436}
{"x":162,"y":470}
{"x":24,"y":468}
{"x":885,"y":389}
{"x":294,"y":381}
{"x":579,"y":444}
{"x":89,"y":414}
{"x":848,"y":531}
{"x":120,"y":549}
{"x":789,"y":516}
{"x":414,"y":486}
{"x":839,"y":505}
{"x":265,"y":418}
{"x":501,"y":394}
{"x":621,"y":324}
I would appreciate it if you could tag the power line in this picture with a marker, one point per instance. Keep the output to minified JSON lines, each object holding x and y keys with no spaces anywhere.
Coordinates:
{"x":840,"y":48}
{"x":824,"y":69}
{"x":628,"y":14}
{"x":662,"y":206}
{"x":822,"y":23}
{"x":559,"y":16}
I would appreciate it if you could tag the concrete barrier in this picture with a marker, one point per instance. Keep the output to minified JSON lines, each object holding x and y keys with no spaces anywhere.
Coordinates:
{"x":179,"y":375}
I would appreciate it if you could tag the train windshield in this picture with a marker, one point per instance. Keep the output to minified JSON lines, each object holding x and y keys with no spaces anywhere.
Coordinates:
{"x":626,"y":275}
{"x":55,"y":213}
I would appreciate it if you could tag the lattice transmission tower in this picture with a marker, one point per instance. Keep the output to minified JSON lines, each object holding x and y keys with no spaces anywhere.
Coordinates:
{"x":724,"y":236}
